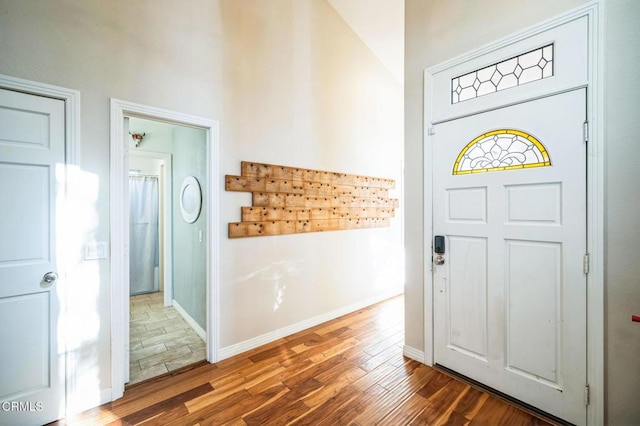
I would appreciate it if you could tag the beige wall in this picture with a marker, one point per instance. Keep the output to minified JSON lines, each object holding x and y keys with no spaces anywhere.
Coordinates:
{"x":300,"y":89}
{"x":290,"y":84}
{"x":439,"y":30}
{"x":622,"y":201}
{"x":121,"y":49}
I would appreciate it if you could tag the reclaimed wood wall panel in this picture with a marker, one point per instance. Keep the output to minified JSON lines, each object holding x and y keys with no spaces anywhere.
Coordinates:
{"x":290,"y":200}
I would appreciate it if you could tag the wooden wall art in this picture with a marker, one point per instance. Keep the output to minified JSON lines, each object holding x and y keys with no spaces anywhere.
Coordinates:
{"x":290,"y":200}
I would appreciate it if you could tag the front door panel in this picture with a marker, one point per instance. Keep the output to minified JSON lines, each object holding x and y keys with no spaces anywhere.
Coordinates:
{"x":509,"y":190}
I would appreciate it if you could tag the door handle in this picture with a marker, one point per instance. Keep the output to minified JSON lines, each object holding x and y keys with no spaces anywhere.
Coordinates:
{"x":50,"y":277}
{"x":438,"y":260}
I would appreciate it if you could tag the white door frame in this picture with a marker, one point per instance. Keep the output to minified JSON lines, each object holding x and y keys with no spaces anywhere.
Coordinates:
{"x":594,"y":11}
{"x":119,"y":228}
{"x":71,"y":100}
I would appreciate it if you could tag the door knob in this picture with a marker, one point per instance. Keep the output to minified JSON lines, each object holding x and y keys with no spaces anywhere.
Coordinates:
{"x":50,"y":277}
{"x":438,"y":260}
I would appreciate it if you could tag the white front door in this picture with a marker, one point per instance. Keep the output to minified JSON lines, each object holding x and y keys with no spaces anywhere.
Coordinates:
{"x":509,"y":198}
{"x":32,"y":151}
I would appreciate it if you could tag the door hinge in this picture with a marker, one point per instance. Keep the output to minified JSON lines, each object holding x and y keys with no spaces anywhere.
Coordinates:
{"x":586,"y":394}
{"x":432,"y":131}
{"x":585,"y":132}
{"x":585,"y":263}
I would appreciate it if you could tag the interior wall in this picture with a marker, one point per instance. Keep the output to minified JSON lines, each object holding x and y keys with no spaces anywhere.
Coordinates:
{"x":303,"y":91}
{"x":440,"y":30}
{"x":158,"y":136}
{"x":380,"y":24}
{"x":189,"y":250}
{"x":290,"y":84}
{"x":622,"y":204}
{"x":157,"y":53}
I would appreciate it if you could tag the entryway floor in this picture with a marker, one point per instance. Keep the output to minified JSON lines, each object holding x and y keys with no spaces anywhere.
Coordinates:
{"x":348,"y":371}
{"x":160,"y":339}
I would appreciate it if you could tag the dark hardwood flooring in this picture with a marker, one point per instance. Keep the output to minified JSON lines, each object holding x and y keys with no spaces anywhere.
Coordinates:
{"x":349,"y":371}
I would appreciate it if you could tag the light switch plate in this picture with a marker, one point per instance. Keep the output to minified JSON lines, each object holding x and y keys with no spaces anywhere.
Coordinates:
{"x":96,"y":250}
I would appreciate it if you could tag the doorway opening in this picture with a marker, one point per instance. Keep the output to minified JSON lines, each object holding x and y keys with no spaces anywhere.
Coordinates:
{"x":167,"y":312}
{"x":164,"y":262}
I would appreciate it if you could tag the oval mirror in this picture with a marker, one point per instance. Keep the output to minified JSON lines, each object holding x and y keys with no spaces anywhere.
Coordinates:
{"x":190,"y":199}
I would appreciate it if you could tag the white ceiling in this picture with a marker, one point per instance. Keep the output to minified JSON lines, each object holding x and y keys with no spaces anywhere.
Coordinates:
{"x":380,"y":25}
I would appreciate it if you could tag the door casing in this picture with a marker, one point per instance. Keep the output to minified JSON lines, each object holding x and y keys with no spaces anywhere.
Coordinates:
{"x":119,"y":229}
{"x":594,"y":85}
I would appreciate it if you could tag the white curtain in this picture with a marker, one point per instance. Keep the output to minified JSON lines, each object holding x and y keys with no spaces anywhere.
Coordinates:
{"x":143,"y":234}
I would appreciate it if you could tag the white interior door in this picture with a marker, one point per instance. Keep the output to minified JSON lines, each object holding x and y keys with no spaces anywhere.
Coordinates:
{"x":509,"y":197}
{"x":31,"y":356}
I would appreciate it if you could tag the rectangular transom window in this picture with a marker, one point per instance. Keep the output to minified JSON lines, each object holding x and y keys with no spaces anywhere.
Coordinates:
{"x":525,"y":68}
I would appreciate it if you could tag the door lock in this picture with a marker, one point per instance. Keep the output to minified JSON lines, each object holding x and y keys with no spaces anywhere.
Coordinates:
{"x":438,"y":244}
{"x":438,"y":249}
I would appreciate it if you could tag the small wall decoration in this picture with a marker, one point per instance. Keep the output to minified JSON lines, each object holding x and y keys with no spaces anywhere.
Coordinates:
{"x":290,"y":200}
{"x":190,"y":199}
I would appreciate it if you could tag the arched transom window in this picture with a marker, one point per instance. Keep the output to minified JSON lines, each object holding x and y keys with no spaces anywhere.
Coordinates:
{"x":500,"y":150}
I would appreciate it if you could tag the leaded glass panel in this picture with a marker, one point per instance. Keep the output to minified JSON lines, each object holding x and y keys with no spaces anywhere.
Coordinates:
{"x":500,"y":150}
{"x":525,"y":68}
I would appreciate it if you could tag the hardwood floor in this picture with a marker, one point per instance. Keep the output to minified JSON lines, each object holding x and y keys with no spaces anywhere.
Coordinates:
{"x":349,"y":371}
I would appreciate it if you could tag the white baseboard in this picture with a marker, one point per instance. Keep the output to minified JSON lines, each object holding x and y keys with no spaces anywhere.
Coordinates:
{"x":413,"y":353}
{"x":263,"y":339}
{"x":192,"y":323}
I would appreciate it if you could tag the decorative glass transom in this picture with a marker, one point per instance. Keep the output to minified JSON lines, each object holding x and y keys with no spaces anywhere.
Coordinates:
{"x":525,"y":68}
{"x":501,"y":150}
